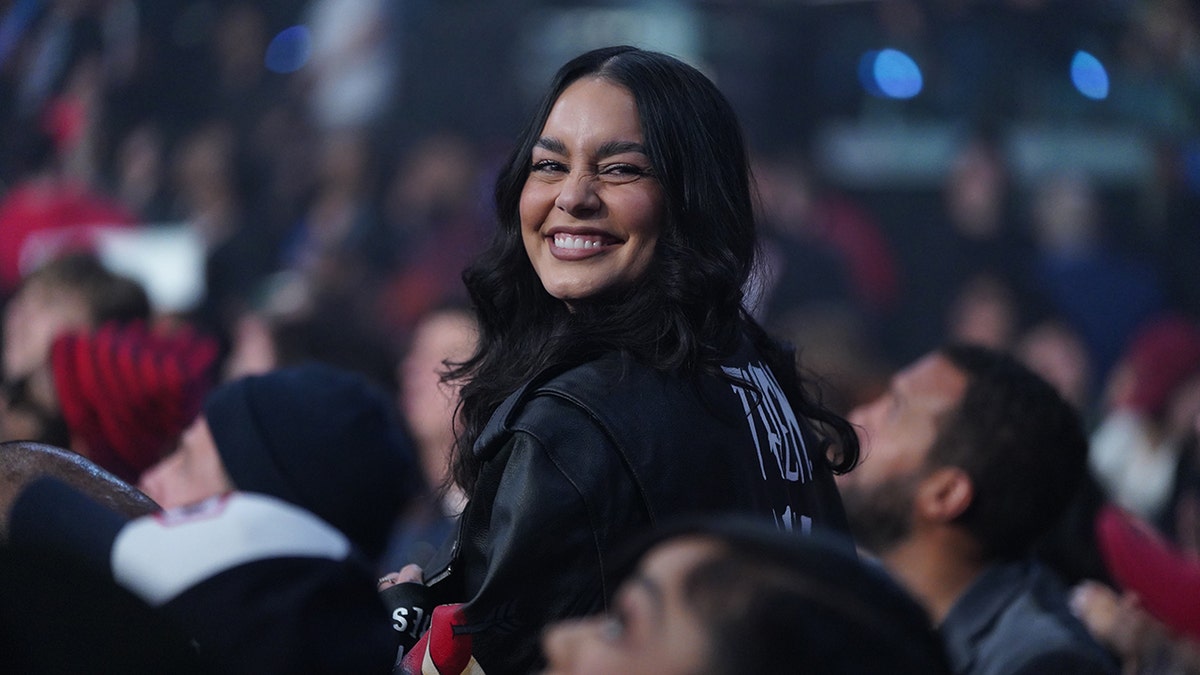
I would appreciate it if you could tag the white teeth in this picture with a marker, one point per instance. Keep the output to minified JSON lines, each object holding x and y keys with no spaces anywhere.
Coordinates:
{"x":567,"y":241}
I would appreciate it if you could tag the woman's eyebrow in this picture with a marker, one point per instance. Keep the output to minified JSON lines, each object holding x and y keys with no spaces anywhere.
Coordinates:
{"x":607,"y":149}
{"x":552,"y":144}
{"x":611,"y":148}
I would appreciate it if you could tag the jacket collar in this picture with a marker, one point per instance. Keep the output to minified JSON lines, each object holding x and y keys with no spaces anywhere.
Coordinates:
{"x":975,"y":612}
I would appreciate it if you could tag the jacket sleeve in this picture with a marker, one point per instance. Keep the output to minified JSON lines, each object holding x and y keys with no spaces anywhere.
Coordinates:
{"x":559,"y":506}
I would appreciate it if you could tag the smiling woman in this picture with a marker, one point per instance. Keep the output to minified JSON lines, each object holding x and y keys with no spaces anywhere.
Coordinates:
{"x":591,"y":209}
{"x":618,"y":378}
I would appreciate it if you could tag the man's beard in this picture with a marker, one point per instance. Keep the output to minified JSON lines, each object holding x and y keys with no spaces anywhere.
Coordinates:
{"x":881,"y":516}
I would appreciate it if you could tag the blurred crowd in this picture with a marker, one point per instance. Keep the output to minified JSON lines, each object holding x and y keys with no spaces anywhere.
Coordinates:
{"x":327,"y":235}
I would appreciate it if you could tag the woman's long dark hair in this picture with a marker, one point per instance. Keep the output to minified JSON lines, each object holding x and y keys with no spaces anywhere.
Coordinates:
{"x":686,"y":312}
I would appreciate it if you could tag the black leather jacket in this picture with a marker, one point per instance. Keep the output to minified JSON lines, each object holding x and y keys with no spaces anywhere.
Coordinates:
{"x":575,"y":465}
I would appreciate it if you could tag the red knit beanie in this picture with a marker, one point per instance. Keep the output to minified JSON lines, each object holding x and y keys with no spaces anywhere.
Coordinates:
{"x":127,"y":392}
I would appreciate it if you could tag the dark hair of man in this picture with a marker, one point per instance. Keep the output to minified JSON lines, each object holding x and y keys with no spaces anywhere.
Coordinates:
{"x":773,"y":602}
{"x":684,"y":312}
{"x":1022,"y":445}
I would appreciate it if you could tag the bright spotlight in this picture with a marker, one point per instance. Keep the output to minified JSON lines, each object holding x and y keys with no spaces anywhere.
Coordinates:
{"x":890,"y":73}
{"x":1089,"y":76}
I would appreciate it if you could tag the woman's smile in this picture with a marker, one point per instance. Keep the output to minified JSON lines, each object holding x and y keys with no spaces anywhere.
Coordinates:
{"x":580,"y":245}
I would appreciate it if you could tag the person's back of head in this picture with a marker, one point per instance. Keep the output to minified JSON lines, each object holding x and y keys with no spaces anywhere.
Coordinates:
{"x":1022,"y":445}
{"x":323,"y":438}
{"x":773,"y":601}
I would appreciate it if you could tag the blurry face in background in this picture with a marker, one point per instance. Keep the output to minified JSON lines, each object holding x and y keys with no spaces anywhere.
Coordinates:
{"x":1058,"y":354}
{"x":591,"y":212}
{"x":36,"y":315}
{"x":651,"y":628}
{"x":192,"y":473}
{"x":983,"y":313}
{"x":427,"y":403}
{"x":975,"y":192}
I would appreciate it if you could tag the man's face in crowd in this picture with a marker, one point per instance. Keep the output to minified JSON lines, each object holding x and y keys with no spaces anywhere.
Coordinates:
{"x":896,"y":432}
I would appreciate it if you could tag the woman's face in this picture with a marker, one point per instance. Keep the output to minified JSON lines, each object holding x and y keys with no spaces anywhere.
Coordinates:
{"x":591,"y":211}
{"x":651,"y":629}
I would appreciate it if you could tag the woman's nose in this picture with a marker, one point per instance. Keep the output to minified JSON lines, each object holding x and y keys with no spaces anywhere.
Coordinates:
{"x":577,"y":195}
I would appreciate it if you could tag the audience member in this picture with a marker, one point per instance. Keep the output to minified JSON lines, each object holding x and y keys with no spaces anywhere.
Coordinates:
{"x":340,"y":243}
{"x":1146,"y":613}
{"x":1056,"y":352}
{"x":318,"y":437}
{"x":45,"y":202}
{"x":960,"y":251}
{"x":968,"y":458}
{"x":1142,"y":643}
{"x":429,"y":403}
{"x":73,"y":292}
{"x":619,"y":378}
{"x":208,"y":178}
{"x":985,"y":312}
{"x":259,"y":585}
{"x":290,"y":324}
{"x":726,"y":596}
{"x":835,"y":345}
{"x":1165,"y":579}
{"x":800,"y":266}
{"x":1103,"y":292}
{"x":119,"y":395}
{"x":1135,"y":448}
{"x":140,"y":179}
{"x":809,"y":221}
{"x":435,"y":205}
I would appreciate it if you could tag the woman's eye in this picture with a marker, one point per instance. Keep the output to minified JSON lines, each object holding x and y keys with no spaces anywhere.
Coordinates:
{"x":622,"y":171}
{"x":547,"y":165}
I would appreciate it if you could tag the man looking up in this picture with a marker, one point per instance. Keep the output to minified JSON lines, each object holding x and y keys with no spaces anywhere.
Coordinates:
{"x":969,"y":457}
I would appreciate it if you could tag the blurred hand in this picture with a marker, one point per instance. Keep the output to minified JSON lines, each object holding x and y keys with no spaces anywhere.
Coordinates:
{"x":406,"y":574}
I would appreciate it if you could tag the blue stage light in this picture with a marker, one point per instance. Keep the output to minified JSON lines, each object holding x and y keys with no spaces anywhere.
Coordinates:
{"x":890,"y":73}
{"x":289,"y":50}
{"x":1089,"y":76}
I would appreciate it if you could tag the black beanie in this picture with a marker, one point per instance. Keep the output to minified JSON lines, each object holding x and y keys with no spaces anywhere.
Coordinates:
{"x":322,"y":438}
